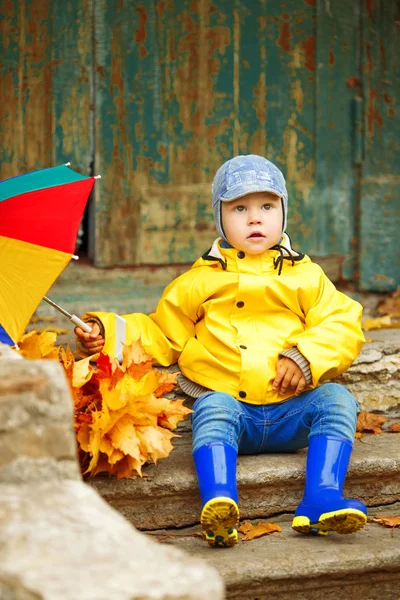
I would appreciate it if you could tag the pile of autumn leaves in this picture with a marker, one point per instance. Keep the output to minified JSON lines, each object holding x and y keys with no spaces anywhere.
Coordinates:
{"x":122,"y":418}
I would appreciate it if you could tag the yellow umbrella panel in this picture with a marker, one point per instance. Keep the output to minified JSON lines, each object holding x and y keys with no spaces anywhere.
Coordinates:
{"x":24,"y":281}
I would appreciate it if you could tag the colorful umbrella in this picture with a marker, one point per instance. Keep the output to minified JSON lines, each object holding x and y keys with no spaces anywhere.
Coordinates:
{"x":40,"y":213}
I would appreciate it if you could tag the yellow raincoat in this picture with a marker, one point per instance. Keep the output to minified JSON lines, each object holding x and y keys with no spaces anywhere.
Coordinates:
{"x":227,"y":319}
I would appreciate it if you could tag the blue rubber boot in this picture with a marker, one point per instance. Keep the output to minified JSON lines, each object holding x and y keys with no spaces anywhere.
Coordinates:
{"x":323,"y":507}
{"x":216,"y":473}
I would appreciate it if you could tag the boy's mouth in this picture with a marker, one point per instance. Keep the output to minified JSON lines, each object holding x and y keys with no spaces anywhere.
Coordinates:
{"x":256,"y":234}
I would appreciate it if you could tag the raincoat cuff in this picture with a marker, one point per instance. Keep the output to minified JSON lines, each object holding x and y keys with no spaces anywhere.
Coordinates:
{"x":99,"y":323}
{"x":296,"y":356}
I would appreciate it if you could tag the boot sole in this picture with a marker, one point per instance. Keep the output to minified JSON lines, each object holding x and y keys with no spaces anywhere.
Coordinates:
{"x":219,"y":520}
{"x":346,"y":520}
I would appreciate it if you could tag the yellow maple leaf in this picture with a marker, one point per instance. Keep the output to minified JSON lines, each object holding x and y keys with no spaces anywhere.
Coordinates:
{"x":380,"y":323}
{"x":35,"y":346}
{"x":174,"y":414}
{"x":123,"y":437}
{"x":253,"y":532}
{"x":82,"y":372}
{"x":155,"y":442}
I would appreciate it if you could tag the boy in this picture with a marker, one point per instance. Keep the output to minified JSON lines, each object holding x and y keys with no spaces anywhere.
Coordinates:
{"x":255,"y":328}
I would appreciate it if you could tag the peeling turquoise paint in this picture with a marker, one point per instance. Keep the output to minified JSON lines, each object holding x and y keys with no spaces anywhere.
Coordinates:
{"x":156,"y":95}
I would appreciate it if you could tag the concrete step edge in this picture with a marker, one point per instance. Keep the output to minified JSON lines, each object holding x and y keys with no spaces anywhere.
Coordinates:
{"x":268,"y":484}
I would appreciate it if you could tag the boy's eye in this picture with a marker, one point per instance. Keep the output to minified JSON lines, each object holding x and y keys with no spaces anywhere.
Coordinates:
{"x":267,"y":206}
{"x":240,"y":208}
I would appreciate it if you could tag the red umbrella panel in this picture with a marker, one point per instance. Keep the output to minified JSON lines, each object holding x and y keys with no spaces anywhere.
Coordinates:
{"x":40,"y":213}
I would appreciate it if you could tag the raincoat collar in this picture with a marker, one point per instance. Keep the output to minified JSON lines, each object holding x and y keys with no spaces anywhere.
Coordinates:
{"x":220,"y":252}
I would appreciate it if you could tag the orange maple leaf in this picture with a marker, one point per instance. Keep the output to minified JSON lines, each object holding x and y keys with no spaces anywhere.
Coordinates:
{"x":369,"y":422}
{"x":253,"y":532}
{"x":166,"y":383}
{"x":390,"y":305}
{"x":386,"y":521}
{"x":394,"y":427}
{"x":135,"y":360}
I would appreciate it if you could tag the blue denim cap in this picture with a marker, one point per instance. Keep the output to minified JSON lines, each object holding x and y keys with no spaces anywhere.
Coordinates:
{"x":243,"y":175}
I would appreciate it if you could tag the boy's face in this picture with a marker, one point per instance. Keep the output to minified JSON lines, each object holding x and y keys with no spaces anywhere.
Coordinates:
{"x":253,"y":223}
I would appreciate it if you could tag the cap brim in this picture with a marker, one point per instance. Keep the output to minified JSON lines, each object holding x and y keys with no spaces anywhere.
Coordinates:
{"x":250,"y":190}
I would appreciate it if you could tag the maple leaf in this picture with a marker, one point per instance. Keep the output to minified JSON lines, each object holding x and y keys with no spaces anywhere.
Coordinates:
{"x":82,"y":372}
{"x":380,"y":323}
{"x":369,"y":422}
{"x":391,"y":305}
{"x":33,"y":345}
{"x":253,"y":532}
{"x":175,"y":413}
{"x":155,"y":442}
{"x":394,"y":427}
{"x":166,"y":383}
{"x":386,"y":521}
{"x":135,"y":360}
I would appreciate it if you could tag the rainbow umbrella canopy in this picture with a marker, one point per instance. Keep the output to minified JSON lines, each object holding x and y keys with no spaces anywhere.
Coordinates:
{"x":40,"y":213}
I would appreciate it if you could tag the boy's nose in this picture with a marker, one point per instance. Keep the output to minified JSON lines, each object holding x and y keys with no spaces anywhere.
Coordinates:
{"x":254,"y":217}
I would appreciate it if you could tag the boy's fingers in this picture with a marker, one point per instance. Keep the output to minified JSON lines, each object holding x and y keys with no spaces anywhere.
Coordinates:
{"x":280,"y":373}
{"x":286,"y":381}
{"x":300,"y":386}
{"x":83,"y":335}
{"x":99,"y":343}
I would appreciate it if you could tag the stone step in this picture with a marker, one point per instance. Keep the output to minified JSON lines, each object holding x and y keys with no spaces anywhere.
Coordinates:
{"x":269,"y":484}
{"x":290,"y":566}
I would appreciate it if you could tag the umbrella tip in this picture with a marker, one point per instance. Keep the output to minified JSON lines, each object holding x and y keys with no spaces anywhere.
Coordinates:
{"x":67,"y":164}
{"x":97,"y":177}
{"x":75,"y":257}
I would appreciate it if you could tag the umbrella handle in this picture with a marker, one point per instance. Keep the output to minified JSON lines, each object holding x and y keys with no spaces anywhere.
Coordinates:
{"x":77,"y":321}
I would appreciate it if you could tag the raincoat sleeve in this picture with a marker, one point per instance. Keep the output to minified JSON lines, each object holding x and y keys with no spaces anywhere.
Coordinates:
{"x":163,"y":334}
{"x":333,"y":337}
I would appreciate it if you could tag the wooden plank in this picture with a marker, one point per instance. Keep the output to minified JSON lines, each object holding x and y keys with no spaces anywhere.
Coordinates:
{"x":380,"y":206}
{"x":184,"y":87}
{"x":72,"y":74}
{"x":45,"y":74}
{"x":25,"y":87}
{"x":338,"y":84}
{"x":277,"y":107}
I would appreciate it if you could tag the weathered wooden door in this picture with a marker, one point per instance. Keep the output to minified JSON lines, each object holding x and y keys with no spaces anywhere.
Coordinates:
{"x":183,"y":85}
{"x":379,"y":206}
{"x":156,"y":94}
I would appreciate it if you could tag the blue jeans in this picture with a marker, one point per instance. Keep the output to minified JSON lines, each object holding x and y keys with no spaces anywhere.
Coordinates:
{"x":282,"y":427}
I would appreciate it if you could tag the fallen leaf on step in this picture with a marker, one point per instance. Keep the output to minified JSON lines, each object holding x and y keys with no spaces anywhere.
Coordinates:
{"x":370,"y":423}
{"x":380,"y":323}
{"x":253,"y":532}
{"x":394,"y":427}
{"x":391,"y":304}
{"x":386,"y":521}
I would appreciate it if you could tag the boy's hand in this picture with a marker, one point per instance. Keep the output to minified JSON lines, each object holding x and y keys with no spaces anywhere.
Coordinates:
{"x":93,"y":342}
{"x":288,"y":374}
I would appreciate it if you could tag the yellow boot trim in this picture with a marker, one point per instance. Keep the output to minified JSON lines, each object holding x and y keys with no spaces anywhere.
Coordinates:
{"x":220,"y":519}
{"x":303,"y":525}
{"x":345,"y":520}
